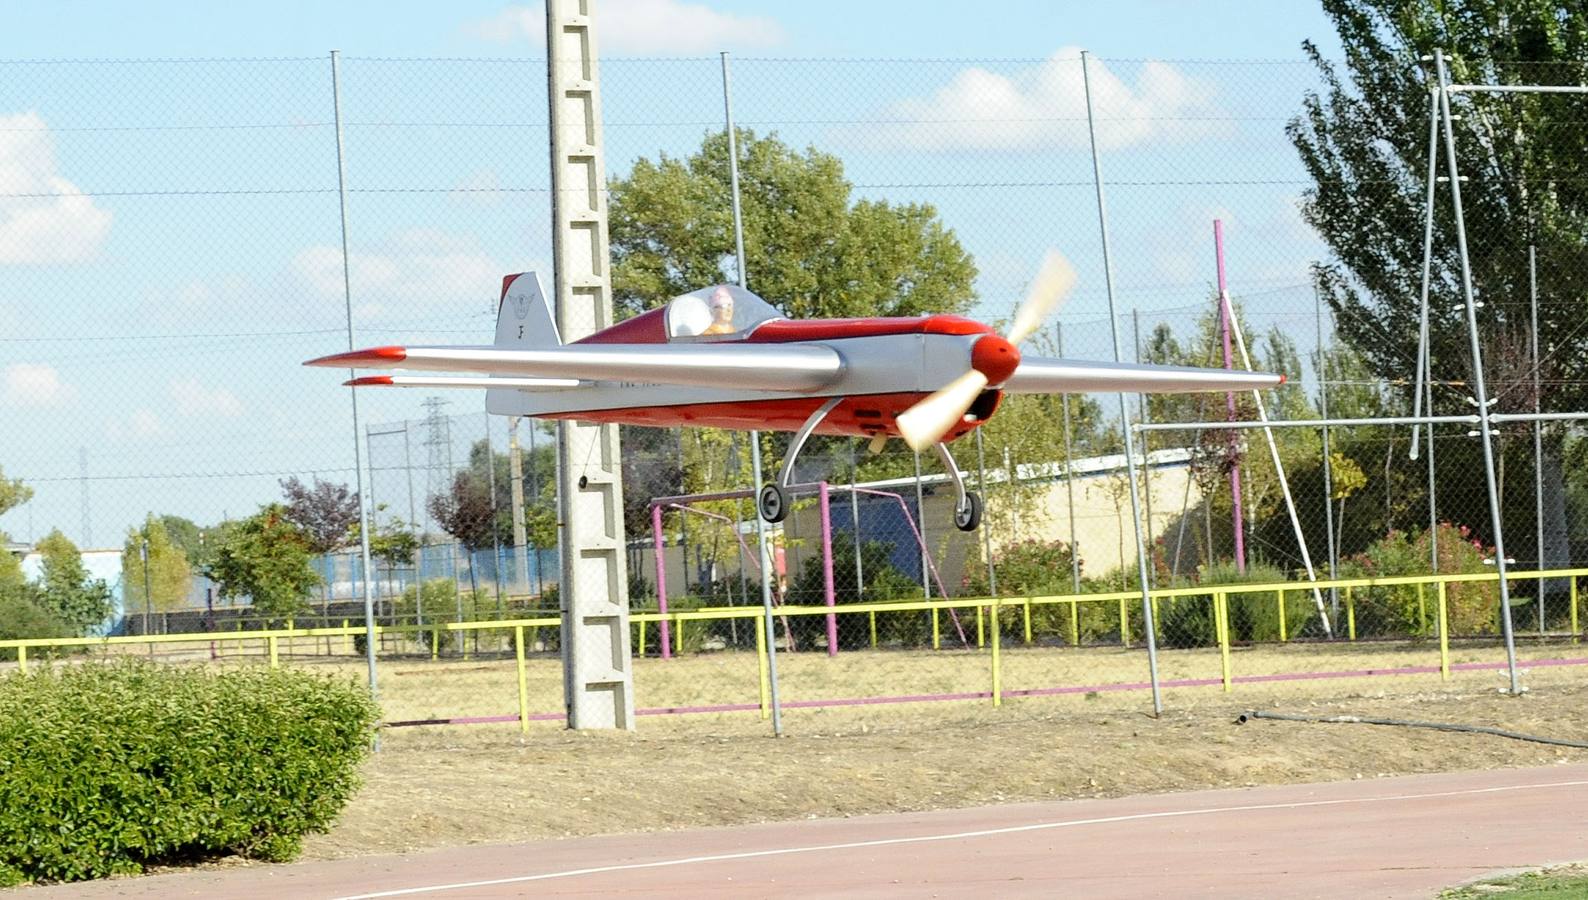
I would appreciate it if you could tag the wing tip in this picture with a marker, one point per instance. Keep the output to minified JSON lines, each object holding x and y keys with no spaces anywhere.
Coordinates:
{"x":376,"y":355}
{"x":369,"y":381}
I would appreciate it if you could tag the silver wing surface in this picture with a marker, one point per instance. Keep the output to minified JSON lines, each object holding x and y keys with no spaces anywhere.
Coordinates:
{"x":1037,"y":375}
{"x":799,"y":368}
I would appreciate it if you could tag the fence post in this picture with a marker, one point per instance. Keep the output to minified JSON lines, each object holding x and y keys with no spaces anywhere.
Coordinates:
{"x":1444,"y":635}
{"x":271,"y":641}
{"x":1075,"y":622}
{"x":523,"y":679}
{"x":1221,"y":609}
{"x":1350,"y":616}
{"x":435,"y":640}
{"x":997,"y":664}
{"x":1283,"y":635}
{"x":980,"y":629}
{"x":761,"y":666}
{"x":1025,"y":612}
{"x":22,"y":653}
{"x":1124,"y":620}
{"x":678,"y":637}
{"x":642,"y":639}
{"x":873,"y":615}
{"x":937,"y":631}
{"x":349,"y":636}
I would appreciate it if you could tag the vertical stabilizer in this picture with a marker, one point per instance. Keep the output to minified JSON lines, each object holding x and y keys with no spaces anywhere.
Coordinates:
{"x":524,"y":320}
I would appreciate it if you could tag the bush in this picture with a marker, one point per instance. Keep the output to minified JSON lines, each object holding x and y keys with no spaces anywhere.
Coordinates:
{"x":105,"y":769}
{"x":1188,"y":621}
{"x":1035,"y":568}
{"x":1473,"y":607}
{"x":883,"y":582}
{"x":22,"y":616}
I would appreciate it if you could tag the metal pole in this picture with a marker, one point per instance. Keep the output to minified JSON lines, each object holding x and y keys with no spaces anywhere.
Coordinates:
{"x":1481,"y":389}
{"x":1328,"y":461}
{"x":496,"y":535}
{"x":358,"y":455}
{"x":1069,"y":469}
{"x":1225,"y":314}
{"x":1124,"y":415}
{"x":1143,"y":415}
{"x":148,"y":594}
{"x":920,"y":521}
{"x":755,"y":436}
{"x":1423,"y":365}
{"x":854,"y":519}
{"x":1538,"y":431}
{"x":986,"y":533}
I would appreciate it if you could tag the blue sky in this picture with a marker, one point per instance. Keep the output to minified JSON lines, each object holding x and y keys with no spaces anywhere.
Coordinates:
{"x":153,"y":319}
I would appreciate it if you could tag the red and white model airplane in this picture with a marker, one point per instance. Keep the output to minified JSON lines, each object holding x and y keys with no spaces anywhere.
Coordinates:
{"x":721,"y":357}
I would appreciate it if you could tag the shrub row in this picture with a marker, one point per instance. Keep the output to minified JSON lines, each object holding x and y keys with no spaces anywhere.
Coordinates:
{"x":106,"y":768}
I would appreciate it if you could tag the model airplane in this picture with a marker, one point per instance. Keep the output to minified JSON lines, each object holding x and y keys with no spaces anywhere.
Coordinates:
{"x":721,"y":357}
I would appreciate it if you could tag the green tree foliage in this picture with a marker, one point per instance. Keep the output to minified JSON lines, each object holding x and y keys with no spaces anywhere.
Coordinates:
{"x":813,"y":250}
{"x":13,"y":493}
{"x":1524,"y":157}
{"x":22,"y":614}
{"x":883,"y":582}
{"x":267,"y":558}
{"x":66,"y":590}
{"x":170,"y":576}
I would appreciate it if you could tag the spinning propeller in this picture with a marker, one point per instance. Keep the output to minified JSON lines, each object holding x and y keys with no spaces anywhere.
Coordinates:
{"x":993,"y":359}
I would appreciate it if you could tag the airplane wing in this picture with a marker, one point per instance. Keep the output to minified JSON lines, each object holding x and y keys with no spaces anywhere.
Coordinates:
{"x":1037,"y":375}
{"x":802,"y":368}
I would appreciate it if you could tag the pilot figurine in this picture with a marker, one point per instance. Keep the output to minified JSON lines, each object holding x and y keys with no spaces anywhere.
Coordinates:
{"x":721,"y":304}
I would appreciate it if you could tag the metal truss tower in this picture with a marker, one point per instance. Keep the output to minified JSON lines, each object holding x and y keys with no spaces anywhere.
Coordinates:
{"x":597,"y":684}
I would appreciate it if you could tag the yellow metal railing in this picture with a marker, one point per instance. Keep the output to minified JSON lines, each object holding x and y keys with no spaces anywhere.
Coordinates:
{"x":1217,"y":594}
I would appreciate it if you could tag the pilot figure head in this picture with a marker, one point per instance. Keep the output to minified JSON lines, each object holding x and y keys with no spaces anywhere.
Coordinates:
{"x":721,"y":304}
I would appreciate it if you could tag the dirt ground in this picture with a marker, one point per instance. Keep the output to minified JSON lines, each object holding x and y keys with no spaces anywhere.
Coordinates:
{"x":436,"y":787}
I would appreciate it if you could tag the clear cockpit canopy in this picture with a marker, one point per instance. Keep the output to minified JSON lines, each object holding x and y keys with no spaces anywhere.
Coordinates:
{"x":719,"y":312}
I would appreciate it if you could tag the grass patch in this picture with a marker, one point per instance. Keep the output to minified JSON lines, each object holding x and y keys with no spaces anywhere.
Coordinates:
{"x":1562,"y":883}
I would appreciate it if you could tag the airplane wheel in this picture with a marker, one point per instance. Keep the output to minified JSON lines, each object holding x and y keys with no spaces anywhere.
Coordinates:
{"x":969,"y":518}
{"x":772,"y":503}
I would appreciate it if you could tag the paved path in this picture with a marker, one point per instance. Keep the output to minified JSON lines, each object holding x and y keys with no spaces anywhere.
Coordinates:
{"x":1390,"y":837}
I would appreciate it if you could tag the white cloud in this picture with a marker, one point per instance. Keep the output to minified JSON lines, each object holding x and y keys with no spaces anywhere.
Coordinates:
{"x":143,"y":423}
{"x":34,"y":385}
{"x":667,"y":27}
{"x":420,"y":272}
{"x":191,"y":398}
{"x":63,"y":227}
{"x":1044,"y":106}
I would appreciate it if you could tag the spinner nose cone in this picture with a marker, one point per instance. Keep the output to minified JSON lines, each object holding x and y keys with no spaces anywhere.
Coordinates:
{"x":994,"y":357}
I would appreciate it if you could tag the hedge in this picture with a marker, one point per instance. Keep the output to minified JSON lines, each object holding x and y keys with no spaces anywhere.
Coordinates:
{"x":108,"y":768}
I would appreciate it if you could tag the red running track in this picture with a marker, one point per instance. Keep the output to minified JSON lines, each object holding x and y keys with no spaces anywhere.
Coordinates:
{"x":1389,"y":837}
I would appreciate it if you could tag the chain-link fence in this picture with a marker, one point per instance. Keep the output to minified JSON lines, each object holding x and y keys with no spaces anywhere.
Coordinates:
{"x":170,"y":239}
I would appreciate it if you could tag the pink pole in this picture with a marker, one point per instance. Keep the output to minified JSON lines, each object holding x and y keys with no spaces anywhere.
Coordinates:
{"x":661,"y":582}
{"x":827,"y":570}
{"x":1229,"y":403}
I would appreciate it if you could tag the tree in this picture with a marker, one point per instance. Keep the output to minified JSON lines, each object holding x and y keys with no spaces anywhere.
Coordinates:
{"x":13,"y":493}
{"x":1524,"y":158}
{"x":266,"y":558}
{"x":813,"y":251}
{"x":326,"y":513}
{"x":66,"y":589}
{"x":170,"y":575}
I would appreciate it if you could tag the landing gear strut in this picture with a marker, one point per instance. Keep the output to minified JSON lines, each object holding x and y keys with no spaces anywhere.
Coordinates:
{"x":772,"y":502}
{"x":967,"y":504}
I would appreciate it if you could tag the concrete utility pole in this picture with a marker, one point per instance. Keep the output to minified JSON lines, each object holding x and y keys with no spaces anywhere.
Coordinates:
{"x":597,"y":683}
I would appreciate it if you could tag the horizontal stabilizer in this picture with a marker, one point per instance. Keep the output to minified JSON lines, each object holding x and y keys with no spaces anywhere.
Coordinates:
{"x":1068,"y":376}
{"x":463,"y":381}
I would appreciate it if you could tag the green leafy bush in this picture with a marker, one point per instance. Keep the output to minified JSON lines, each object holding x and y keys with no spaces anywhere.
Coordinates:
{"x":1473,"y":607}
{"x":883,"y":582}
{"x":1036,"y":568}
{"x":105,"y":769}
